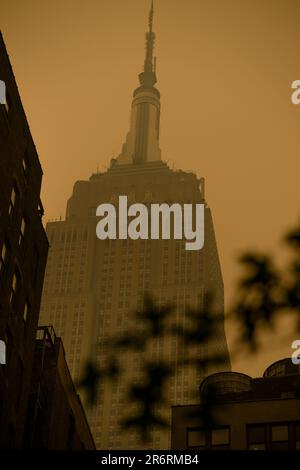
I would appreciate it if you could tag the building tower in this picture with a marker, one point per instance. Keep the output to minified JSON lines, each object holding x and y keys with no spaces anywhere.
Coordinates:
{"x":23,"y":254}
{"x":92,"y":286}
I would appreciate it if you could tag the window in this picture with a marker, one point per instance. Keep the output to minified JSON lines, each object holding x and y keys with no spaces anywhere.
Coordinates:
{"x":14,"y":287}
{"x":256,"y":436}
{"x":274,"y":436}
{"x":215,"y":439}
{"x":22,"y":231}
{"x":280,"y":433}
{"x":196,"y":438}
{"x":13,"y":199}
{"x":25,"y":312}
{"x":25,"y":165}
{"x":3,"y":257}
{"x":280,"y":437}
{"x":14,"y":283}
{"x":220,"y":438}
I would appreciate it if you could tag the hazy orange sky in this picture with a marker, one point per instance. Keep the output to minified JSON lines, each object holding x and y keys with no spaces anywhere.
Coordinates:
{"x":224,"y":71}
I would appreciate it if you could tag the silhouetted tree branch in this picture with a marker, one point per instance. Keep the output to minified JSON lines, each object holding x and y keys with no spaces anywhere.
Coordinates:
{"x":262,"y":294}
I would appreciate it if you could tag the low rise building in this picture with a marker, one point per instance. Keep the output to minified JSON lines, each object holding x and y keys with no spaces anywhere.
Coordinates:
{"x":55,"y":419}
{"x":246,"y":413}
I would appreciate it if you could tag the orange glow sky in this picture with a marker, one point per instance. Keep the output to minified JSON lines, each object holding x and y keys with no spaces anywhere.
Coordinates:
{"x":224,"y":70}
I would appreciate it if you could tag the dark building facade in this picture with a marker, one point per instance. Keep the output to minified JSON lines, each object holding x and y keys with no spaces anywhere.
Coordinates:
{"x":23,"y":253}
{"x":55,"y":418}
{"x":92,"y":286}
{"x":248,"y":414}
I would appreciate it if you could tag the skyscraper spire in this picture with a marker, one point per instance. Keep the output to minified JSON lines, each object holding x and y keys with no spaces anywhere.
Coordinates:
{"x":142,"y":140}
{"x":151,"y":16}
{"x":148,"y":77}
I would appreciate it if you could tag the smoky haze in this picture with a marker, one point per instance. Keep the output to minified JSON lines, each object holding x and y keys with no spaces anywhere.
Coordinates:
{"x":224,"y":72}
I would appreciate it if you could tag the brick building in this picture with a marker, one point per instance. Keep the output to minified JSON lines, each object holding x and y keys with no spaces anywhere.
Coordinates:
{"x":23,"y":253}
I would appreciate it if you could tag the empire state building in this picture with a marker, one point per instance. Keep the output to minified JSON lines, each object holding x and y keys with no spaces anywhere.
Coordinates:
{"x":92,"y":287}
